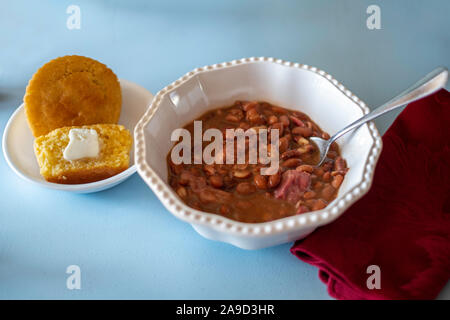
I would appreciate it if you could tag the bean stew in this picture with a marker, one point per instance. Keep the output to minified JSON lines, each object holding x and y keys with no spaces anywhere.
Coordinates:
{"x":239,"y":191}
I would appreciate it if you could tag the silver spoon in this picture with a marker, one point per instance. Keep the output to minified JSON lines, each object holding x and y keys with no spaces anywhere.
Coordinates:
{"x":431,"y":83}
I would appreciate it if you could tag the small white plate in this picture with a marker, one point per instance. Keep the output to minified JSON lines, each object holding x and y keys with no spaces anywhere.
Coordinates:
{"x":18,"y":142}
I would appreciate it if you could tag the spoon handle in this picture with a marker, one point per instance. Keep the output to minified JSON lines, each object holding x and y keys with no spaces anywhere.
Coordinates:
{"x":431,"y":83}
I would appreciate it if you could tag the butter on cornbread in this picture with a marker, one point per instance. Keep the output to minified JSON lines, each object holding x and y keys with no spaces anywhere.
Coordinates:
{"x":114,"y":144}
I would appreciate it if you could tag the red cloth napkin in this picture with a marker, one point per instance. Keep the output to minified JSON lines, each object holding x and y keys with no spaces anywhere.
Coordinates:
{"x":402,"y":224}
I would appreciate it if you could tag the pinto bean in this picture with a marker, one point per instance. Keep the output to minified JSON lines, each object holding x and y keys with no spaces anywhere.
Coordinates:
{"x":237,"y":113}
{"x":339,"y":164}
{"x":207,"y":196}
{"x":328,"y":192}
{"x":310,"y":202}
{"x":272,"y":119}
{"x":249,"y":105}
{"x":284,"y":119}
{"x":318,"y":172}
{"x":260,"y":181}
{"x":318,"y":205}
{"x":244,"y":125}
{"x":284,"y":144}
{"x":197,"y":183}
{"x":274,"y":180}
{"x":232,"y":118}
{"x":245,"y":188}
{"x":255,"y":168}
{"x":317,"y":186}
{"x":297,"y":121}
{"x":309,"y":195}
{"x":252,"y":112}
{"x":302,"y":209}
{"x":254,"y":117}
{"x":303,"y":131}
{"x":334,"y":147}
{"x":327,"y":166}
{"x":290,"y":154}
{"x":242,"y":174}
{"x":326,"y":176}
{"x":337,"y":181}
{"x":331,"y":154}
{"x":216,"y":181}
{"x":185,"y":177}
{"x":228,"y":181}
{"x":305,"y":167}
{"x":182,"y":192}
{"x":222,"y":196}
{"x":292,"y":162}
{"x":310,"y":125}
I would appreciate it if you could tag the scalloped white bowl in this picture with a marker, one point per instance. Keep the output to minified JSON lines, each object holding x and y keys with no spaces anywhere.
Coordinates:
{"x":291,"y":85}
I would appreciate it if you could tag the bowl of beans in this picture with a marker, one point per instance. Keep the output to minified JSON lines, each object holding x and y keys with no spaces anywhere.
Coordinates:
{"x":227,"y":149}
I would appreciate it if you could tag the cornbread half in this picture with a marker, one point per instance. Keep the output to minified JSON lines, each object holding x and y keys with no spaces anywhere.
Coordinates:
{"x":72,"y":91}
{"x":114,"y":149}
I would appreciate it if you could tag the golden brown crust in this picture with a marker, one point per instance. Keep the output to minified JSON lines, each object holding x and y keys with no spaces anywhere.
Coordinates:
{"x":72,"y":91}
{"x":86,"y":175}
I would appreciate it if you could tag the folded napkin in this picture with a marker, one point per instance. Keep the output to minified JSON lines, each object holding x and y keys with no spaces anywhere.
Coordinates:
{"x":402,"y":225}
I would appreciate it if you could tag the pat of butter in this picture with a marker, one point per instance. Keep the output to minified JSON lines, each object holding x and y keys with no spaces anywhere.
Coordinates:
{"x":83,"y":143}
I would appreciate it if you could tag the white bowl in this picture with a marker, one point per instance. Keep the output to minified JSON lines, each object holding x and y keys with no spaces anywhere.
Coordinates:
{"x":18,"y":142}
{"x":291,"y":85}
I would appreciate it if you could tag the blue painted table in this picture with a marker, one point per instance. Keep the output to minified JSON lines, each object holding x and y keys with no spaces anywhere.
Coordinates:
{"x":126,"y":244}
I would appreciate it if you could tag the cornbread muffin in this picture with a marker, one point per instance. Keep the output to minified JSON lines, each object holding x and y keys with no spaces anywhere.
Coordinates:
{"x":114,"y":143}
{"x":72,"y":91}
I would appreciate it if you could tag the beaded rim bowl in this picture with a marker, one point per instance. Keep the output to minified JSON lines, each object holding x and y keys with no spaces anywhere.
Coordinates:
{"x":253,"y":235}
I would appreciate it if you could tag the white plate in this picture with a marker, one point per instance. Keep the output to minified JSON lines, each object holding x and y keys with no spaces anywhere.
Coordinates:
{"x":18,"y":142}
